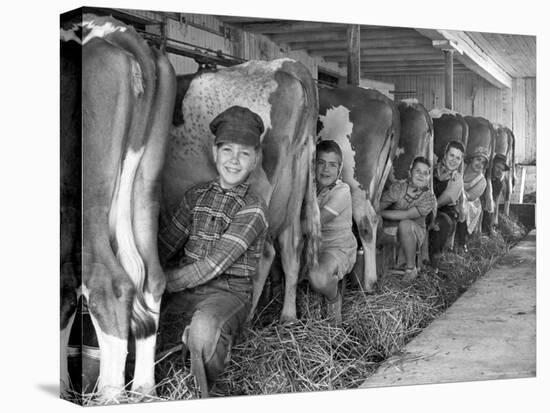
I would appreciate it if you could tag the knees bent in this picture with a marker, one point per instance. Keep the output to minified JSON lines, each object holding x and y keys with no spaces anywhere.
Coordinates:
{"x":406,"y":226}
{"x":324,"y":281}
{"x":202,"y":334}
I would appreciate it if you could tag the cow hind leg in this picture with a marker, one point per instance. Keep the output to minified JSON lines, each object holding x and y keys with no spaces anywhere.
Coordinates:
{"x":65,"y":383}
{"x":366,"y":226}
{"x":264,"y":267}
{"x":146,"y":213}
{"x":290,"y":257}
{"x":144,"y":372}
{"x":112,"y":363}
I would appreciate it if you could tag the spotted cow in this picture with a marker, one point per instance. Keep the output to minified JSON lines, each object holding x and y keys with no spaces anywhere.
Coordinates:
{"x":117,"y":96}
{"x":366,"y":125}
{"x":415,"y":139}
{"x":282,"y":92}
{"x":502,"y":182}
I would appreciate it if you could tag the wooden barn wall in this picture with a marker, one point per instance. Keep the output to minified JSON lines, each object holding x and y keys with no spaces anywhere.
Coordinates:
{"x":242,"y":44}
{"x":473,"y":95}
{"x":524,"y":120}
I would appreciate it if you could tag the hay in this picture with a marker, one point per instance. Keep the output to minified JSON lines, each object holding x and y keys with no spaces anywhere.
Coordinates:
{"x":311,"y":355}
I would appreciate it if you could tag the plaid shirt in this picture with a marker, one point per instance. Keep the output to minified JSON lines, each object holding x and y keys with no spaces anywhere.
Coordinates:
{"x":213,"y":231}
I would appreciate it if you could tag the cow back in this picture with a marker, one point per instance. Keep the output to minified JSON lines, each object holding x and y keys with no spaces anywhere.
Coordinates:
{"x":365,"y":123}
{"x":416,"y":138}
{"x":481,"y":134}
{"x":448,"y":126}
{"x":281,"y":92}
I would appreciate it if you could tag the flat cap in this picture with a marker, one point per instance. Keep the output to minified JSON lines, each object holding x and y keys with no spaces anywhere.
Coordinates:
{"x":237,"y":125}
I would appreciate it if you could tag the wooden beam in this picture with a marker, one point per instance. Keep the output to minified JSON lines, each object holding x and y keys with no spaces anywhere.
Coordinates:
{"x":366,"y":43}
{"x":416,"y":63}
{"x":340,"y":35}
{"x":354,"y":54}
{"x":472,"y":56}
{"x":241,"y":20}
{"x":413,"y":72}
{"x":287,"y":27}
{"x":449,"y":79}
{"x":341,"y":57}
{"x":385,"y":51}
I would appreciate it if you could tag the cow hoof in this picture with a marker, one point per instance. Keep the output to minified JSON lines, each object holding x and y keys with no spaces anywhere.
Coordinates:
{"x":369,"y":288}
{"x":111,"y":395}
{"x":144,"y":391}
{"x":287,"y":320}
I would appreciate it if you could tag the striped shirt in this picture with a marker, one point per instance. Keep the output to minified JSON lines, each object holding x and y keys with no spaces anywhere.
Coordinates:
{"x":213,"y":231}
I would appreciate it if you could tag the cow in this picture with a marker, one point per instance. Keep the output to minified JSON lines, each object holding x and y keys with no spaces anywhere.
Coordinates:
{"x":482,"y":133}
{"x":415,"y":139}
{"x":365,"y":124}
{"x":502,"y":182}
{"x":448,"y":125}
{"x":127,"y":95}
{"x":283,"y":94}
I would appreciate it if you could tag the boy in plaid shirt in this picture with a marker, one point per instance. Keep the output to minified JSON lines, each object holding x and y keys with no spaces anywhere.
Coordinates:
{"x":406,"y":204}
{"x":210,"y":248}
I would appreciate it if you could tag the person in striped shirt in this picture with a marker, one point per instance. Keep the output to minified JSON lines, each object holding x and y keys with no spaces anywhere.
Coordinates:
{"x":211,"y":246}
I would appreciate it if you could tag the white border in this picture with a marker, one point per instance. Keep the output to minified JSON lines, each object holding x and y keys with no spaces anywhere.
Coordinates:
{"x":30,"y":206}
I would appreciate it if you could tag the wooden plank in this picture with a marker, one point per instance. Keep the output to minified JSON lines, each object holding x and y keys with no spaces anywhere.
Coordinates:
{"x":331,"y":36}
{"x":522,"y":185}
{"x":286,"y":27}
{"x":341,"y":57}
{"x":449,"y":77}
{"x":416,"y":65}
{"x":240,"y":19}
{"x":386,"y":51}
{"x":366,"y":43}
{"x":397,"y":72}
{"x":354,"y":54}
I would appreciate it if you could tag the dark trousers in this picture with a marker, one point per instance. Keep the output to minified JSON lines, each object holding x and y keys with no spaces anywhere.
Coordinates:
{"x":213,"y":315}
{"x":438,"y":239}
{"x":461,"y":234}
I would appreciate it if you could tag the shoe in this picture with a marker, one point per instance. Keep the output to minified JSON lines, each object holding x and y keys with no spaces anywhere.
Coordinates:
{"x":410,"y":274}
{"x":334,"y":310}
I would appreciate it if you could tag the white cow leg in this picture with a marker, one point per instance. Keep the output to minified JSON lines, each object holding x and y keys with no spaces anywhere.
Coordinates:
{"x":113,"y":352}
{"x":369,"y":260}
{"x":369,"y":247}
{"x":291,"y":267}
{"x":144,"y":371}
{"x":65,"y":382}
{"x":266,"y":260}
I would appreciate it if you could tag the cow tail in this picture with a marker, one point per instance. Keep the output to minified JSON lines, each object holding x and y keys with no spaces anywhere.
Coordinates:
{"x":142,"y":323}
{"x":312,"y":230}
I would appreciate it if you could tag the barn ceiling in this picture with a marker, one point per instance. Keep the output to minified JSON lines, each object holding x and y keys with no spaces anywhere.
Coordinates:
{"x":391,"y":51}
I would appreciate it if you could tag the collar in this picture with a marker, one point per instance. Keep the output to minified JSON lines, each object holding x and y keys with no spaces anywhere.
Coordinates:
{"x":416,"y":189}
{"x":239,"y":190}
{"x":443,"y":172}
{"x":327,"y":188}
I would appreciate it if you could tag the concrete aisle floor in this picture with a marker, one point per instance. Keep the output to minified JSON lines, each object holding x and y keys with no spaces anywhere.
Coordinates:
{"x":488,"y":333}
